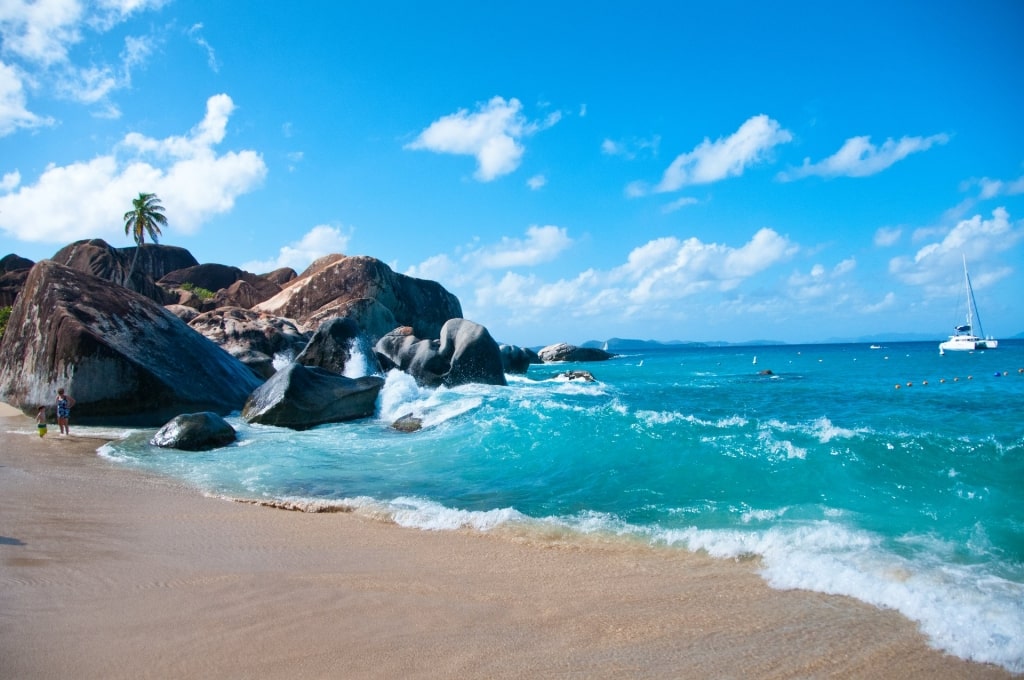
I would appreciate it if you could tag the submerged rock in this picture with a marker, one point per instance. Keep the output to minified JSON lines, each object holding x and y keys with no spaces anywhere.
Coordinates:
{"x":585,"y":376}
{"x":195,"y":432}
{"x":408,"y":423}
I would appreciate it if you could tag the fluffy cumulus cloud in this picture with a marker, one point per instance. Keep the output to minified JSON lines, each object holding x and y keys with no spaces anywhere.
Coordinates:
{"x":492,"y":134}
{"x":712,"y":161}
{"x":653,"y":282}
{"x":671,"y":269}
{"x":858,"y":157}
{"x":86,"y":199}
{"x":321,"y":240}
{"x":821,"y":283}
{"x":935,"y":266}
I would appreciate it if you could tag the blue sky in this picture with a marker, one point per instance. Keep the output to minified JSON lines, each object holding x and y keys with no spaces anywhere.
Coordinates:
{"x":795,"y":171}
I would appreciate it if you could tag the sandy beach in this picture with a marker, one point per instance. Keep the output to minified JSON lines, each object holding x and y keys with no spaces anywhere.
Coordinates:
{"x":108,"y":573}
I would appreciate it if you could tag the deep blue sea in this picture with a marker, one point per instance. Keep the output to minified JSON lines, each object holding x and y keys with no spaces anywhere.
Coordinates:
{"x":909,"y":497}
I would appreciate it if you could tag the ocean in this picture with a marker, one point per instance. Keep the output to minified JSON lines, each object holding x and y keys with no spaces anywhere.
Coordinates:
{"x":892,"y":475}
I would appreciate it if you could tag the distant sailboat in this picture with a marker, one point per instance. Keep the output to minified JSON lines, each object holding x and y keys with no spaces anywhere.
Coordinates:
{"x":755,"y":360}
{"x":964,"y":337}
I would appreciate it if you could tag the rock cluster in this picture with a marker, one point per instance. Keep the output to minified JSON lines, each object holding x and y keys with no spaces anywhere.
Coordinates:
{"x":143,"y":334}
{"x":464,"y":353}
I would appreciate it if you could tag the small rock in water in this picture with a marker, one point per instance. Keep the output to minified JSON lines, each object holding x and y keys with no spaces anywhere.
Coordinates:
{"x":585,"y":376}
{"x":408,"y":423}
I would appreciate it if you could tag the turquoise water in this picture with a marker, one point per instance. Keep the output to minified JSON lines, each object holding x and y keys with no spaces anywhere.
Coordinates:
{"x":908,"y":498}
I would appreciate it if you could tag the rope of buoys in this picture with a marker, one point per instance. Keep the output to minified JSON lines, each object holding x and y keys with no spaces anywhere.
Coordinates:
{"x":996,"y":374}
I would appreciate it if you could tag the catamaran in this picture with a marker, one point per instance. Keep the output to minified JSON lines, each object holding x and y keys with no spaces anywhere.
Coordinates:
{"x":964,"y":338}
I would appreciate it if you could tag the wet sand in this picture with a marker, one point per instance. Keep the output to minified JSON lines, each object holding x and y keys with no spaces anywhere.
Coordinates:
{"x":108,"y":573}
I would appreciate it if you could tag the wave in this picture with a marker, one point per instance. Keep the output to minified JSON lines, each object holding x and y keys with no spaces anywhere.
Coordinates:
{"x":964,"y":609}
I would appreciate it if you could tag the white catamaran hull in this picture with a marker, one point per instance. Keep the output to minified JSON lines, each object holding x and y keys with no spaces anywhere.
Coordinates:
{"x":965,"y":343}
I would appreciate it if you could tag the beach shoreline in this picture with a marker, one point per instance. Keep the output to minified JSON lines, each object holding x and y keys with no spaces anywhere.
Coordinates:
{"x":107,"y":572}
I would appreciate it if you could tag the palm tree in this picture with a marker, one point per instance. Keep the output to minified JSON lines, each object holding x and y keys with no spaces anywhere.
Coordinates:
{"x":146,"y":217}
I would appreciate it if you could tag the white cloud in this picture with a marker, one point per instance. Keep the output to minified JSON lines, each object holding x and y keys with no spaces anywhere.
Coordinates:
{"x":536,"y":182}
{"x":631,"y":148}
{"x":13,"y":112}
{"x":679,"y":203}
{"x":542,"y":244}
{"x":195,"y":33}
{"x":492,"y":134}
{"x":10,"y":180}
{"x":653,"y":281}
{"x":820,"y":283}
{"x":887,"y":236}
{"x":858,"y":157}
{"x":41,"y":31}
{"x":40,"y":37}
{"x":726,"y":156}
{"x":887,"y":302}
{"x":321,"y":240}
{"x":991,"y":188}
{"x":935,"y":266}
{"x":86,"y":199}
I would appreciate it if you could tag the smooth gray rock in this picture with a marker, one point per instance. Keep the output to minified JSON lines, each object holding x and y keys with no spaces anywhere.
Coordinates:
{"x":195,"y":432}
{"x":301,"y":397}
{"x":565,"y":352}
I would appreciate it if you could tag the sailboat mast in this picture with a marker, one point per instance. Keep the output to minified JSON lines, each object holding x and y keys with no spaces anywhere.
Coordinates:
{"x":972,"y":307}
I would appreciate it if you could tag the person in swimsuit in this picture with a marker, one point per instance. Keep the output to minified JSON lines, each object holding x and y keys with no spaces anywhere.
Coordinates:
{"x":64,"y":404}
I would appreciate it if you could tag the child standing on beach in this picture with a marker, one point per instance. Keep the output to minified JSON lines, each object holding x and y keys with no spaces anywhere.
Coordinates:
{"x":41,"y":421}
{"x":64,"y":404}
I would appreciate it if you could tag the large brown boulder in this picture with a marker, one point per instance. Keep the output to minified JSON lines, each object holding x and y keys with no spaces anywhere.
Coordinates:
{"x":13,"y":272}
{"x":251,"y":337}
{"x":465,"y":353}
{"x":282,"y":276}
{"x":125,"y":359}
{"x":330,"y":286}
{"x":232,"y":287}
{"x":245,"y":293}
{"x":99,"y":258}
{"x":300,"y":397}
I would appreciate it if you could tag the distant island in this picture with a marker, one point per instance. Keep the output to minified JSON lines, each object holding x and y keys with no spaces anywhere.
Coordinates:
{"x":636,"y":345}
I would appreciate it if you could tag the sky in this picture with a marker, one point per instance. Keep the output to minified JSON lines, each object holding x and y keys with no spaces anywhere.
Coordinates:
{"x":577,"y":170}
